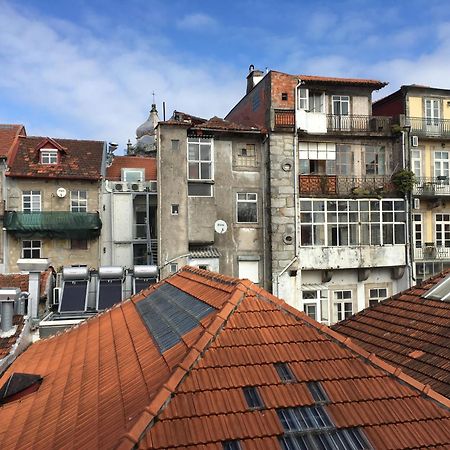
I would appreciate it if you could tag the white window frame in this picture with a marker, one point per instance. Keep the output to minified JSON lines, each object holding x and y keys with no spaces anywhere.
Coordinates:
{"x":77,"y":203}
{"x":418,"y":230}
{"x":375,"y":295}
{"x":246,"y":198}
{"x":32,"y":246}
{"x":442,"y":230}
{"x":432,"y":111}
{"x":49,"y":156}
{"x":340,"y":100}
{"x":34,"y":200}
{"x":441,"y":165}
{"x":313,"y":97}
{"x":303,"y":98}
{"x":175,"y":209}
{"x":307,"y":306}
{"x":339,"y":304}
{"x":200,"y":161}
{"x":126,"y":172}
{"x":416,"y":161}
{"x":250,"y":269}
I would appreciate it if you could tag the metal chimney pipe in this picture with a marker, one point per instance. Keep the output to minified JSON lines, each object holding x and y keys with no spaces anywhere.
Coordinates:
{"x":7,"y":315}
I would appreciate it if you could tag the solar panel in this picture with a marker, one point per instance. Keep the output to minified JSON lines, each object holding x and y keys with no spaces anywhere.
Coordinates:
{"x":74,"y":296}
{"x":142,"y":283}
{"x":109,"y":293}
{"x":169,"y":313}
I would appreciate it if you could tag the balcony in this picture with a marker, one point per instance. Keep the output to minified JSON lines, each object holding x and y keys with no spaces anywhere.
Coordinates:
{"x":334,"y":185}
{"x":431,"y":252}
{"x":53,"y":224}
{"x":431,"y":186}
{"x":359,"y":124}
{"x":284,"y":120}
{"x":429,"y":127}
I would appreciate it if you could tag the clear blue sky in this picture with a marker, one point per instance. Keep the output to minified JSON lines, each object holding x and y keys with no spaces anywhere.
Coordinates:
{"x":87,"y":69}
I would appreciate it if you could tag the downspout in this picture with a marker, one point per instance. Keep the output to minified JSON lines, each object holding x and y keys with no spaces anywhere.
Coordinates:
{"x":264,"y":227}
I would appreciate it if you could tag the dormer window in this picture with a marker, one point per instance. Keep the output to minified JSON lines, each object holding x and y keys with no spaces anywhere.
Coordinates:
{"x":49,"y":156}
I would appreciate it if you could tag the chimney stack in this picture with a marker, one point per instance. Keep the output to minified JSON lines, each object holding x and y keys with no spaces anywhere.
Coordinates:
{"x":7,"y":298}
{"x":254,"y":77}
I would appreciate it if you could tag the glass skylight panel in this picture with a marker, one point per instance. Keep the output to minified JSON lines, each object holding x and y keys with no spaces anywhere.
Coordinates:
{"x":304,"y":418}
{"x":284,"y":372}
{"x":252,"y":397}
{"x":317,"y":392}
{"x":169,"y":313}
{"x":231,"y":445}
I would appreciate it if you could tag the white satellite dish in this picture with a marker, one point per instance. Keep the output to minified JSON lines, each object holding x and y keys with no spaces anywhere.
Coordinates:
{"x":220,"y":226}
{"x":61,"y":192}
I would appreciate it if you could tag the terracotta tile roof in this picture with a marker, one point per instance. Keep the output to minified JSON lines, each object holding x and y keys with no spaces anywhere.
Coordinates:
{"x":408,"y":331}
{"x":181,"y":118}
{"x":106,"y":384}
{"x":336,"y":80}
{"x":20,"y":280}
{"x":216,"y":123}
{"x":81,"y":160}
{"x":6,"y":343}
{"x":9,"y":135}
{"x":114,"y":171}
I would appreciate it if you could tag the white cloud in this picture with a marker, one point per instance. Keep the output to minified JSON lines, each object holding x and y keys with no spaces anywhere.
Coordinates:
{"x":197,"y":21}
{"x":100,"y":88}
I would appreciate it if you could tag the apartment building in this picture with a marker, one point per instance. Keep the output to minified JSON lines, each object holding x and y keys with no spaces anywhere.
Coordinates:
{"x":52,"y":201}
{"x":129,"y":205}
{"x":211,"y":208}
{"x":337,"y":223}
{"x":425,"y":112}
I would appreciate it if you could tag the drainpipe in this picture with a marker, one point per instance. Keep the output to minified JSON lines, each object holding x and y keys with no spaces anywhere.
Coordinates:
{"x":264,"y":204}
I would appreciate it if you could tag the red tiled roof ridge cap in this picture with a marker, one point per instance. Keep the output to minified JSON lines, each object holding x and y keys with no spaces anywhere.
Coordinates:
{"x":56,"y":139}
{"x":338,"y":79}
{"x":179,"y":374}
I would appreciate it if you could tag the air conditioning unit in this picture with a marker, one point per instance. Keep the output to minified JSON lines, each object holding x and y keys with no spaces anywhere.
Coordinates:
{"x":120,"y":186}
{"x":136,"y":187}
{"x":416,"y":203}
{"x":414,"y":141}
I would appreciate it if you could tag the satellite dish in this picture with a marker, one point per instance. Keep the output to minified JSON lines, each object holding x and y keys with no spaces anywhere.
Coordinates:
{"x":61,"y":192}
{"x":220,"y":226}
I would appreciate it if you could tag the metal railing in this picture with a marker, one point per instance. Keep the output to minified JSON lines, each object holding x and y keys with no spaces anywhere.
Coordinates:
{"x":428,"y":252}
{"x":359,"y":123}
{"x":340,"y":185}
{"x":431,"y":186}
{"x":428,"y":126}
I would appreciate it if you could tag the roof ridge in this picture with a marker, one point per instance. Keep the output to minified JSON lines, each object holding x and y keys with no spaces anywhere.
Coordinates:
{"x":159,"y":402}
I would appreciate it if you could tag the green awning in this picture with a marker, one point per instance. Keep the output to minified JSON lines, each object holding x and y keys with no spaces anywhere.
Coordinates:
{"x":54,"y":224}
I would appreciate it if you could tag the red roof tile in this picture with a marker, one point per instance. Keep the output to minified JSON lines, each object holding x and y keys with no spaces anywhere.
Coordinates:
{"x":9,"y":135}
{"x":408,"y":331}
{"x":216,"y":123}
{"x":114,"y":171}
{"x":80,"y":160}
{"x":106,"y":384}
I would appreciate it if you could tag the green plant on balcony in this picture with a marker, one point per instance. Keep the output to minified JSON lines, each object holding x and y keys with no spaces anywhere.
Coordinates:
{"x":403,"y":180}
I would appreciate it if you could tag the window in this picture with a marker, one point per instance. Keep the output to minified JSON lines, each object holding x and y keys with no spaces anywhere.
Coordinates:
{"x":303,"y":98}
{"x":49,"y":156}
{"x":341,"y":105}
{"x":343,"y":305}
{"x":317,"y":392}
{"x":175,"y":209}
{"x":133,"y":175}
{"x":284,"y":96}
{"x":376,"y":295}
{"x":78,"y":201}
{"x":375,"y":160}
{"x":284,"y":372}
{"x":310,"y":310}
{"x":175,"y":144}
{"x":352,"y":222}
{"x":344,"y":160}
{"x":252,"y":397}
{"x":31,"y":249}
{"x":200,"y":166}
{"x":247,"y":207}
{"x":432,"y":111}
{"x":417,"y":227}
{"x":316,"y":102}
{"x":416,"y":162}
{"x":442,"y":230}
{"x":245,"y":156}
{"x":203,"y":266}
{"x":231,"y":445}
{"x":173,"y":267}
{"x":441,"y":164}
{"x":78,"y":244}
{"x":31,"y":201}
{"x":317,"y":157}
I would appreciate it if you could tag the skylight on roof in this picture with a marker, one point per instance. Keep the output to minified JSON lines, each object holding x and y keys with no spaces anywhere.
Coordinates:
{"x":441,"y":291}
{"x":169,"y":313}
{"x":252,"y":397}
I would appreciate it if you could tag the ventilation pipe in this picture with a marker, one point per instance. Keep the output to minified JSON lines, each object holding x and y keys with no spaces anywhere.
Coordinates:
{"x":7,"y":298}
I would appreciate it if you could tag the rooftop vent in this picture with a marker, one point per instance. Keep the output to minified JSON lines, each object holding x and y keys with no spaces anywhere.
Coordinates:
{"x":18,"y":385}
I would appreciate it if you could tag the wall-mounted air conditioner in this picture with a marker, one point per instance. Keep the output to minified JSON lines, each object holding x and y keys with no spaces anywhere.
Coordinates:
{"x":416,"y":204}
{"x":414,"y":141}
{"x":120,"y":186}
{"x":136,"y":186}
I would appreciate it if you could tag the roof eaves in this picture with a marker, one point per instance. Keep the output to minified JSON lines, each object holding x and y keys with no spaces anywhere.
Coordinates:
{"x":147,"y":418}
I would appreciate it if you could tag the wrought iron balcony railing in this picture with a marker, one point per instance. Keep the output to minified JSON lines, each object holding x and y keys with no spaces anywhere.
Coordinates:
{"x":340,"y":185}
{"x":431,"y":186}
{"x":429,"y":126}
{"x":359,"y":123}
{"x":431,"y":252}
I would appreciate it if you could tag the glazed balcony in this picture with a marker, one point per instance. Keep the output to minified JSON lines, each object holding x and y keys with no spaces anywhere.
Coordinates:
{"x":429,"y":127}
{"x":341,"y":186}
{"x":431,"y":186}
